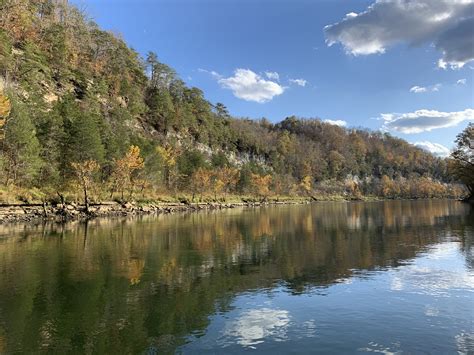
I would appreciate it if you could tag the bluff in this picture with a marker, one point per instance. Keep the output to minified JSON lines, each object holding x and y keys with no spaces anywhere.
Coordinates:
{"x":74,"y":94}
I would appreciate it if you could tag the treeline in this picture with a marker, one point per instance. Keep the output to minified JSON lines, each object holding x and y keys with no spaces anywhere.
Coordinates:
{"x":81,"y":112}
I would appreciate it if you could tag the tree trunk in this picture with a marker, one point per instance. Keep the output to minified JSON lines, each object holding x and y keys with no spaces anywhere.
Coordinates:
{"x":86,"y":199}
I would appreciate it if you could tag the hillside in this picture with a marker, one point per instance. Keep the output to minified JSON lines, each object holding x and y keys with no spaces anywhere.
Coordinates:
{"x":84,"y":112}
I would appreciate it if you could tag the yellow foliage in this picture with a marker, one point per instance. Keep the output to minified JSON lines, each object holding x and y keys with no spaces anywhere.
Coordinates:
{"x":168,"y":154}
{"x":306,"y":184}
{"x":124,"y":168}
{"x":202,"y":180}
{"x":261,"y":184}
{"x":225,"y":179}
{"x":389,"y":187}
{"x":218,"y":186}
{"x":5,"y":108}
{"x":83,"y":170}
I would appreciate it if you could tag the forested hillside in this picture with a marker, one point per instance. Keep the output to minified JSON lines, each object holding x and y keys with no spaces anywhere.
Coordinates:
{"x":80,"y":111}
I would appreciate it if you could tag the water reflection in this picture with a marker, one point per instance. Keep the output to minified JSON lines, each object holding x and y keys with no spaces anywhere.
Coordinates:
{"x":156,"y":283}
{"x":254,"y":325}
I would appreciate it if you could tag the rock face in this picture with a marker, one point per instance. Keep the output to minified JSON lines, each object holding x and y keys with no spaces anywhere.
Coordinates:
{"x":64,"y":213}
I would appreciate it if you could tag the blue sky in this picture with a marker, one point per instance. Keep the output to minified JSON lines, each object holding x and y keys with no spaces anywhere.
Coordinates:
{"x":231,"y":49}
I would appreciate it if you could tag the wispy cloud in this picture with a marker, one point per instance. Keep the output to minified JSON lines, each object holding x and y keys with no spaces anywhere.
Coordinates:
{"x":434,"y":148}
{"x":300,"y":82}
{"x":447,"y":24}
{"x":424,"y":120}
{"x":461,"y":82}
{"x":272,"y":75}
{"x":211,"y":72}
{"x":421,"y":89}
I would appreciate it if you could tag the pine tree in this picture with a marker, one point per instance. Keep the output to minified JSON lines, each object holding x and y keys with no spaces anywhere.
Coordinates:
{"x":21,"y":148}
{"x":82,"y":140}
{"x":50,"y":133}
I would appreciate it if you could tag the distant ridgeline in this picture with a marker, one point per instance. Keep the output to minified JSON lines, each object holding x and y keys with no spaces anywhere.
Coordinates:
{"x":80,"y":111}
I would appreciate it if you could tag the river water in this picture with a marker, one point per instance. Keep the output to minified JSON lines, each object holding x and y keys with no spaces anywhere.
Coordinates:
{"x":380,"y":277}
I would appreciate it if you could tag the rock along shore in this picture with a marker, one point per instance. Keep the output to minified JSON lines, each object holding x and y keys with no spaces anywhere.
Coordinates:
{"x":68,"y":212}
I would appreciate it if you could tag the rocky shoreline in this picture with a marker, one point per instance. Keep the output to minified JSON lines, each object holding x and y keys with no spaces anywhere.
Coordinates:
{"x":14,"y":213}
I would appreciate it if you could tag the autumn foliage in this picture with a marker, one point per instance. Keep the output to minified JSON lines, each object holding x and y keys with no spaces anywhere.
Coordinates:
{"x":84,"y":109}
{"x":124,"y":172}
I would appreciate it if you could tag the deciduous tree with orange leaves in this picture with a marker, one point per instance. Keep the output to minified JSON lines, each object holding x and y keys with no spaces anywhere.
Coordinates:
{"x":124,"y":169}
{"x":201,"y":180}
{"x":261,"y":185}
{"x":226,"y":179}
{"x":5,"y":108}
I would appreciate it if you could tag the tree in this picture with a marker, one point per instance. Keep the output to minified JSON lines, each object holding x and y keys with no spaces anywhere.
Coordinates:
{"x":21,"y":147}
{"x":306,"y":184}
{"x":201,"y":180}
{"x":50,"y":133}
{"x":261,"y":185}
{"x":191,"y":160}
{"x":388,"y":187}
{"x":124,"y":169}
{"x":462,"y":159}
{"x":226,"y":179}
{"x":82,"y":140}
{"x":161,"y":109}
{"x":151,"y":61}
{"x":336,"y":163}
{"x":84,"y":173}
{"x":221,"y":110}
{"x":5,"y":108}
{"x":169,"y":155}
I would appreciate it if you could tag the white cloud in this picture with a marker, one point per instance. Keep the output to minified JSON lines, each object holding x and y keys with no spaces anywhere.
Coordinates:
{"x":272,"y":75}
{"x":418,"y":89}
{"x":421,"y":89}
{"x":249,"y":86}
{"x":445,"y":23}
{"x":211,"y":72}
{"x":461,"y":82}
{"x":434,"y":148}
{"x":300,"y":82}
{"x":339,"y":123}
{"x":424,"y":120}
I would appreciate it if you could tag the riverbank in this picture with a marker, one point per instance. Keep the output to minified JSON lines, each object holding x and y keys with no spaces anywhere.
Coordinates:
{"x":13,"y":213}
{"x":59,"y":213}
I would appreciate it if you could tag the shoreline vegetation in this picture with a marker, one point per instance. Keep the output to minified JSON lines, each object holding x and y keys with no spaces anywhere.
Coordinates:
{"x":72,"y":211}
{"x":67,"y":212}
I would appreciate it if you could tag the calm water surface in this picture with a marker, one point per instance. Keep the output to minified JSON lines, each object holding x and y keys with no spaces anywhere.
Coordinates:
{"x":388,"y":277}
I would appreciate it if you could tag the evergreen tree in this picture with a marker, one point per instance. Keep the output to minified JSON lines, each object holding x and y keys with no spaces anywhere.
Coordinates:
{"x":82,"y":140}
{"x":50,"y":133}
{"x":21,"y":148}
{"x":161,"y":109}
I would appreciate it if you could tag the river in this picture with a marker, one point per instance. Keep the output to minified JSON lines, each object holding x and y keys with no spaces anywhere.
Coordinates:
{"x":378,"y":277}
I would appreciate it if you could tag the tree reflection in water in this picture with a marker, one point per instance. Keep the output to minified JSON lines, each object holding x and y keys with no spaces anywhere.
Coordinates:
{"x":147,"y":283}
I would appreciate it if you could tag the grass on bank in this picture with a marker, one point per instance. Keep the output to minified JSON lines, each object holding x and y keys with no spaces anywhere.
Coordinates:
{"x":18,"y":195}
